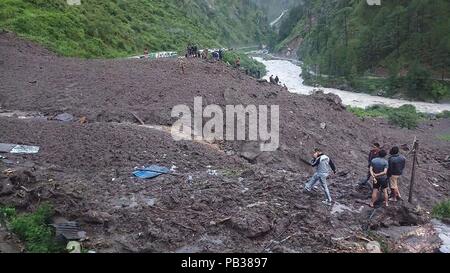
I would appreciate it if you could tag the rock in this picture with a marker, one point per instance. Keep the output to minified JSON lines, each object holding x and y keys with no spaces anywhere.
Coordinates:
{"x":323,"y":125}
{"x":247,"y":173}
{"x":97,"y":217}
{"x":22,"y":178}
{"x":65,"y":117}
{"x":6,"y":188}
{"x":334,"y":100}
{"x":250,"y":151}
{"x":250,"y":224}
{"x":150,"y":201}
{"x":373,"y":247}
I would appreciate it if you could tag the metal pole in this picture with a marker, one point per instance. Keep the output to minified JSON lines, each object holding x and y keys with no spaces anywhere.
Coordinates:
{"x":413,"y":175}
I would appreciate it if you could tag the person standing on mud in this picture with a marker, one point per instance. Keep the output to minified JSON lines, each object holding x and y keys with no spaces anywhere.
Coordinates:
{"x":277,"y":80}
{"x":397,"y":164}
{"x":372,"y":155}
{"x":378,"y":170}
{"x":238,"y":62}
{"x":324,"y":166}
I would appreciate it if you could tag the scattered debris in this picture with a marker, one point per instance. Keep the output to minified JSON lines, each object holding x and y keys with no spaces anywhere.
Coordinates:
{"x":18,"y":149}
{"x":82,"y":120}
{"x":64,"y":117}
{"x":73,"y":247}
{"x":69,"y":231}
{"x":151,"y":172}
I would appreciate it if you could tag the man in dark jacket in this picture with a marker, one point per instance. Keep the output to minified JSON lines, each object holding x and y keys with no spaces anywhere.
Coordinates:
{"x":397,"y":164}
{"x":372,"y":155}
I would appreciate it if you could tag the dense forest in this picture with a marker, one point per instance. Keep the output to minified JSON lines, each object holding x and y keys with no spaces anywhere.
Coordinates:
{"x":406,"y":42}
{"x":120,"y":27}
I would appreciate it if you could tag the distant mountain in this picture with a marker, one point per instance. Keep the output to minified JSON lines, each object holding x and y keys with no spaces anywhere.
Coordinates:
{"x":119,"y":27}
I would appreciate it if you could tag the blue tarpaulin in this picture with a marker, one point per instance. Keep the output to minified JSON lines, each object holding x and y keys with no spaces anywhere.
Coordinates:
{"x":151,"y":172}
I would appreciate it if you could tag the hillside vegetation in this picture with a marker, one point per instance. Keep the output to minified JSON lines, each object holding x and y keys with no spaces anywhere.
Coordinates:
{"x":405,"y":42}
{"x":121,"y":27}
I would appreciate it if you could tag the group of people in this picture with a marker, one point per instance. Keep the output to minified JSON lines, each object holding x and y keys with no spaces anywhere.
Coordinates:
{"x":192,"y":51}
{"x":275,"y":80}
{"x":383,"y":174}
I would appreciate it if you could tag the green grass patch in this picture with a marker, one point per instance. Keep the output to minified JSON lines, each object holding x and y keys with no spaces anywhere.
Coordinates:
{"x":33,"y":228}
{"x":445,"y":114}
{"x":444,"y":137}
{"x":405,"y":116}
{"x":247,"y":62}
{"x":442,"y":210}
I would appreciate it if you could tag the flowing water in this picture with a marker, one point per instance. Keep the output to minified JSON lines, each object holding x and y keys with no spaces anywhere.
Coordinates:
{"x":289,"y":74}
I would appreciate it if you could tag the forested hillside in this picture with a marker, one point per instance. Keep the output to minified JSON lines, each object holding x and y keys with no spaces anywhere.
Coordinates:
{"x":273,"y":8}
{"x":407,"y":41}
{"x":119,"y":27}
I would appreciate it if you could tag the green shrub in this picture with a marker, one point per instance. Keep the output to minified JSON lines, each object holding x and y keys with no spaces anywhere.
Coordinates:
{"x":442,"y":210}
{"x":33,"y":229}
{"x":445,"y":114}
{"x":439,"y":91}
{"x":444,"y":137}
{"x":406,"y":117}
{"x":418,"y":82}
{"x":7,"y":213}
{"x":246,"y":62}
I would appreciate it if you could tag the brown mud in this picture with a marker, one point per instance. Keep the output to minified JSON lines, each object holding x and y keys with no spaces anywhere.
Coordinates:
{"x":238,"y":200}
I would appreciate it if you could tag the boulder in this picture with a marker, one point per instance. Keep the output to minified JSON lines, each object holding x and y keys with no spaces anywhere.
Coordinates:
{"x":373,"y":247}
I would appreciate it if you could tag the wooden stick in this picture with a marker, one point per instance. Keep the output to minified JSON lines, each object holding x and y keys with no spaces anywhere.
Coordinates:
{"x":138,"y":118}
{"x":413,"y":173}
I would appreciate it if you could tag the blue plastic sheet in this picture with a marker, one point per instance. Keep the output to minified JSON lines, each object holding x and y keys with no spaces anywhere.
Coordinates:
{"x":151,"y":172}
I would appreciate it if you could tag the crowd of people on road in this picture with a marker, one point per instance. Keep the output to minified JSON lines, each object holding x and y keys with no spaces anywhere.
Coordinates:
{"x":192,"y":51}
{"x":383,"y":174}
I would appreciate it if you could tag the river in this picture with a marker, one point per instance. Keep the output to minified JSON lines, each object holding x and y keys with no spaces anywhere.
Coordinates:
{"x":289,"y":74}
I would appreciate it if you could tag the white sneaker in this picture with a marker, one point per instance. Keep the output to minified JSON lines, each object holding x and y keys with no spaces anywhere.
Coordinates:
{"x":328,"y":203}
{"x":307,"y":189}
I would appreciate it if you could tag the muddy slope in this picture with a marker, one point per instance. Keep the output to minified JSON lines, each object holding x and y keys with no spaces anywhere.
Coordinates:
{"x":231,"y":203}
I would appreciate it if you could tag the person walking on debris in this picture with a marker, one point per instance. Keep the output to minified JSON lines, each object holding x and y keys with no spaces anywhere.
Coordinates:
{"x":324,"y":166}
{"x":397,"y":164}
{"x":372,"y":155}
{"x":378,"y":170}
{"x":182,"y":65}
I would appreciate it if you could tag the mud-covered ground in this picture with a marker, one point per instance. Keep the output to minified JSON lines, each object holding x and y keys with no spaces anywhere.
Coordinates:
{"x":238,"y":200}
